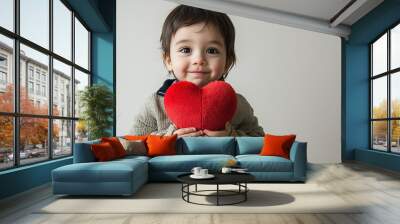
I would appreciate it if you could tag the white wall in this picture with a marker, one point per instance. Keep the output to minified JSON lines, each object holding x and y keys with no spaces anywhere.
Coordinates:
{"x":291,"y":77}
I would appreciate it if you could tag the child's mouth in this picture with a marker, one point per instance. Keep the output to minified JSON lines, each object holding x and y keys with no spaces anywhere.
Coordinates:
{"x":198,"y":72}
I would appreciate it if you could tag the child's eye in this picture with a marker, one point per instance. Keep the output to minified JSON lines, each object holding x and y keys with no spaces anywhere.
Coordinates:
{"x":212,"y":50}
{"x":184,"y":50}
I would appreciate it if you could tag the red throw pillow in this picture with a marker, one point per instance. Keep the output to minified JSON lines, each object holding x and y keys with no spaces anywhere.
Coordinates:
{"x":277,"y":145}
{"x":116,"y":145}
{"x":209,"y":107}
{"x":161,"y":145}
{"x":103,"y":151}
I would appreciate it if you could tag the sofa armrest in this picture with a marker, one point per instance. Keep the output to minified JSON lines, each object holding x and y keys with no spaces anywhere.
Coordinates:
{"x":83,"y":152}
{"x":298,"y":155}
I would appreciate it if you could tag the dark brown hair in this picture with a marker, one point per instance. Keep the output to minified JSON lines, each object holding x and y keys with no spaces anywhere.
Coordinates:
{"x":184,"y":15}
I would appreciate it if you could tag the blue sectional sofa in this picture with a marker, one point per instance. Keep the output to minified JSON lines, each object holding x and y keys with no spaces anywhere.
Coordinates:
{"x":125,"y":176}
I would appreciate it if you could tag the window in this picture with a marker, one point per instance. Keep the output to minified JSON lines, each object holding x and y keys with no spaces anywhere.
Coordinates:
{"x":56,"y":127}
{"x":3,"y":61}
{"x":43,"y":77}
{"x":43,"y":90}
{"x":3,"y":78}
{"x":3,"y":71}
{"x":37,"y":75}
{"x":385,"y":91}
{"x":38,"y":89}
{"x":30,"y":87}
{"x":30,"y":72}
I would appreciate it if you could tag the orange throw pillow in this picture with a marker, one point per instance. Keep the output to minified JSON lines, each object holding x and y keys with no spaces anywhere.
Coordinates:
{"x":103,"y":151}
{"x":116,"y":145}
{"x":161,"y":145}
{"x":135,"y":137}
{"x":277,"y":145}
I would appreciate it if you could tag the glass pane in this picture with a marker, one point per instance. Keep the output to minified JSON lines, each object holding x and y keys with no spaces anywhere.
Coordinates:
{"x":62,"y":29}
{"x":33,"y":139}
{"x":34,"y":97}
{"x":379,"y":100}
{"x":395,"y":136}
{"x":81,"y":81}
{"x":6,"y":74}
{"x":81,"y":131}
{"x":62,"y":89}
{"x":395,"y":47}
{"x":6,"y":142}
{"x":395,"y":94}
{"x":379,"y":55}
{"x":62,"y":138}
{"x":379,"y":135}
{"x":7,"y":14}
{"x":81,"y":45}
{"x":35,"y":21}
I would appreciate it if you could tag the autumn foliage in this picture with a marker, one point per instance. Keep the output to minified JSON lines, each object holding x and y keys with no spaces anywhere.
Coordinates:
{"x":380,"y":127}
{"x":33,"y":130}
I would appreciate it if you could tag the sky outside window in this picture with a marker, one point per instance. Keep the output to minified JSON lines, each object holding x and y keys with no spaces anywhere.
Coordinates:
{"x":395,"y":47}
{"x":379,"y":56}
{"x":81,"y":45}
{"x":35,"y":21}
{"x":7,"y":13}
{"x":62,"y":30}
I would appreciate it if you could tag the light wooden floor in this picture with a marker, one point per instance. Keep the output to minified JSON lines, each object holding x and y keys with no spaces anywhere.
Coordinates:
{"x":353,"y":182}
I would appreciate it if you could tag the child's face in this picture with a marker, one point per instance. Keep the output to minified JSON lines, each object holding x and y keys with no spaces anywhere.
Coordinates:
{"x":197,"y":54}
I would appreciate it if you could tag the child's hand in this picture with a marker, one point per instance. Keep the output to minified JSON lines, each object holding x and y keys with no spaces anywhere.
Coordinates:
{"x":188,"y":132}
{"x":226,"y":132}
{"x":216,"y":133}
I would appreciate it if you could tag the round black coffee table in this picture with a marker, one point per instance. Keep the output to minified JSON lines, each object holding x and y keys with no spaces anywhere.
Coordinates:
{"x":238,"y":179}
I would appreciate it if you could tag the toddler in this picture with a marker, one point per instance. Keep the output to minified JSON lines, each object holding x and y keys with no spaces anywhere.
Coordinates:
{"x":197,"y":46}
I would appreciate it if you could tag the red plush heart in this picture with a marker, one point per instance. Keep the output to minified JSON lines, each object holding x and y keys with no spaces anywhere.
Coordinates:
{"x":209,"y":107}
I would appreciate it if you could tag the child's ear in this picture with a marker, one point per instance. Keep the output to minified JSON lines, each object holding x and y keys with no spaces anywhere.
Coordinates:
{"x":167,"y":62}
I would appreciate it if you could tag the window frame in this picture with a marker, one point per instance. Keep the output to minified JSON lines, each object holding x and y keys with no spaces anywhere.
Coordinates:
{"x":16,"y":114}
{"x":388,"y":74}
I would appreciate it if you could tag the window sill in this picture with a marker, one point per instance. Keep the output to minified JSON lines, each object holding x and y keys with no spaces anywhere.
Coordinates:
{"x":26,"y":167}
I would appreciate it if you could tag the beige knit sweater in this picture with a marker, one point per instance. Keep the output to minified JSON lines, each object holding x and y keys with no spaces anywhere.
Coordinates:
{"x":152,"y":119}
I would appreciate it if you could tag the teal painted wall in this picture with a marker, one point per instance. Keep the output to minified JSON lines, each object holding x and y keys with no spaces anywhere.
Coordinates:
{"x":357,"y":102}
{"x":103,"y":63}
{"x":100,"y":17}
{"x":24,"y":178}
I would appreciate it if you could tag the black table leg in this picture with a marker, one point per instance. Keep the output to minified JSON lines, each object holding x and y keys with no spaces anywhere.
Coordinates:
{"x":217,"y":194}
{"x":245,"y":193}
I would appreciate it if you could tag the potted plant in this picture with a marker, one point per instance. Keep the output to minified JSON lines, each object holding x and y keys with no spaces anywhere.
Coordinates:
{"x":96,"y":102}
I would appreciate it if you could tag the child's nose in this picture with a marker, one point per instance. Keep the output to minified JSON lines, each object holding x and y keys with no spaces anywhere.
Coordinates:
{"x":199,"y":59}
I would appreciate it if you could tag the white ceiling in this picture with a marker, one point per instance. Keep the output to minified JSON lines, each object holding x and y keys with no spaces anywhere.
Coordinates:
{"x":314,"y":15}
{"x":320,"y":9}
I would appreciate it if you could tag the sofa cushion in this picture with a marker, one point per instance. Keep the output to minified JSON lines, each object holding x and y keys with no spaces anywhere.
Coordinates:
{"x":277,"y":145}
{"x":116,"y":145}
{"x":111,"y":171}
{"x":103,"y":151}
{"x":206,"y":145}
{"x":257,"y":163}
{"x":185,"y":163}
{"x":160,"y":145}
{"x":249,"y":145}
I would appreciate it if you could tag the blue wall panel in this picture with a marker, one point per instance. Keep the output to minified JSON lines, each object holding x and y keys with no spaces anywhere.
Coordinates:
{"x":356,"y":90}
